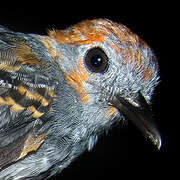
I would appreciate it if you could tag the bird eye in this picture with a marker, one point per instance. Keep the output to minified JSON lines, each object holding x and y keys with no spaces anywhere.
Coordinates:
{"x":96,"y":60}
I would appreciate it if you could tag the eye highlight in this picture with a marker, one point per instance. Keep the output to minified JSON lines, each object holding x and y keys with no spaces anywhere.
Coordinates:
{"x":96,"y":60}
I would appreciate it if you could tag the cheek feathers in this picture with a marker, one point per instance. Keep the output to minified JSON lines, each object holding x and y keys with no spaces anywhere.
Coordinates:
{"x":76,"y":79}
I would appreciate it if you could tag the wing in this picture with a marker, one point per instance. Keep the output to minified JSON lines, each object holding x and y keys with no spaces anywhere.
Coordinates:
{"x":27,"y":86}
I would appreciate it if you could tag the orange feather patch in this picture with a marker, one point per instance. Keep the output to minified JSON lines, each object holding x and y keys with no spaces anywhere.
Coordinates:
{"x":32,"y":143}
{"x":26,"y":56}
{"x":76,"y":79}
{"x":82,"y":33}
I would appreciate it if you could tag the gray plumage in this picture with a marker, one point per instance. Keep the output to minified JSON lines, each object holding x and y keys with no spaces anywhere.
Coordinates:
{"x":71,"y":125}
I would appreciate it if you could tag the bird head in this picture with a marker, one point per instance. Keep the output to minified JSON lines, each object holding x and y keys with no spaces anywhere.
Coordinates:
{"x":59,"y":92}
{"x":112,"y":71}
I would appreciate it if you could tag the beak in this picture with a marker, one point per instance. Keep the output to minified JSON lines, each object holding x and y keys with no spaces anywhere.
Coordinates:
{"x":140,"y":116}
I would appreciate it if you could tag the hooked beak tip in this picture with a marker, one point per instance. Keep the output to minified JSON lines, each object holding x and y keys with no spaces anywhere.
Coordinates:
{"x":140,"y":116}
{"x":157,"y":141}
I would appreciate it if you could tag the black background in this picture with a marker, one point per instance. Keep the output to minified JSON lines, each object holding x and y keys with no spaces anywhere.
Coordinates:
{"x":123,"y":151}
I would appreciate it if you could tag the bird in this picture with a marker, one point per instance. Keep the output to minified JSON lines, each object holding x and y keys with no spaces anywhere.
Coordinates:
{"x":59,"y":92}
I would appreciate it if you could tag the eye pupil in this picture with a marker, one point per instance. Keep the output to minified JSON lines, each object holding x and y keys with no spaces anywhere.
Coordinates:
{"x":96,"y":60}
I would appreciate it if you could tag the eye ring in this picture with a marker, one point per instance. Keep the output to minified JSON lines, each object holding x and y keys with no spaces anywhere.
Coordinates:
{"x":96,"y":60}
